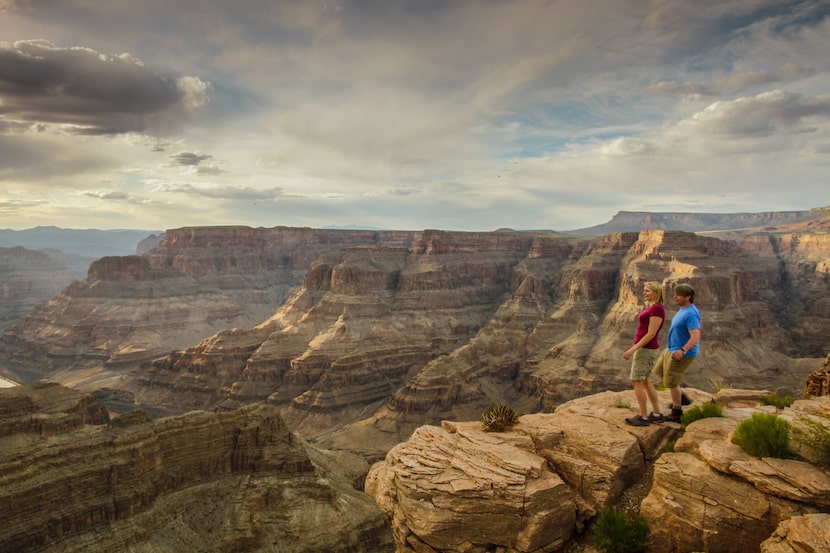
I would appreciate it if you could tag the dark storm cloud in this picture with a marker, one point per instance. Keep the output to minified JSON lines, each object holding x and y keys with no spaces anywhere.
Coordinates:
{"x":188,"y":159}
{"x":101,"y":94}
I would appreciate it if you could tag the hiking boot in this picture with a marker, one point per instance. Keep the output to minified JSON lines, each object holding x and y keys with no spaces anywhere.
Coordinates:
{"x":684,"y":400}
{"x":656,"y":418}
{"x":637,"y":421}
{"x":675,"y":415}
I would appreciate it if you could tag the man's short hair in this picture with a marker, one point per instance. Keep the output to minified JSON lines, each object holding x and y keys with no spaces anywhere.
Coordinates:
{"x":685,"y":290}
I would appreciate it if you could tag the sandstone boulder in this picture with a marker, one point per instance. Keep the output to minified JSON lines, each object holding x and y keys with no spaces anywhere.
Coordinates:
{"x":800,"y":534}
{"x":710,"y":495}
{"x":457,"y":488}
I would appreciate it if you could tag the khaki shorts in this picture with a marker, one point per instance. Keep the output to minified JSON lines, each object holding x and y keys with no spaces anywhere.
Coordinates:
{"x":642,"y":362}
{"x":669,"y":370}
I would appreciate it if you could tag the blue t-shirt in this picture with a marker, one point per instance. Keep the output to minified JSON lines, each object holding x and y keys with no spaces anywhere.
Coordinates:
{"x":688,"y":318}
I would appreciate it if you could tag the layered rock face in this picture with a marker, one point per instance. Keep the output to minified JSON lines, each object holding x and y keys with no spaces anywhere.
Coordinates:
{"x":383,"y":332}
{"x":27,"y":278}
{"x":538,"y":485}
{"x":236,"y":481}
{"x":196,"y":282}
{"x":365,"y":320}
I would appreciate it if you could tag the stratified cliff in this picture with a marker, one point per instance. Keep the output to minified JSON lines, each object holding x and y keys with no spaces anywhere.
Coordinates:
{"x":236,"y":481}
{"x":198,"y":281}
{"x":359,"y":337}
{"x":27,"y":278}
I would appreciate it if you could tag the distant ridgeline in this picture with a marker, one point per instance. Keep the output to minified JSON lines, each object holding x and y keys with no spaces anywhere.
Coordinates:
{"x":632,"y":221}
{"x":92,"y":243}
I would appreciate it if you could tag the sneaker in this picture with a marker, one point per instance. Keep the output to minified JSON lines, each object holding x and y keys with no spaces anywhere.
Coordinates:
{"x":637,"y":421}
{"x":656,"y":418}
{"x":675,"y":415}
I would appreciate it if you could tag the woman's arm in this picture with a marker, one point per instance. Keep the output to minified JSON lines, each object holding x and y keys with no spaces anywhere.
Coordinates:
{"x":653,"y":327}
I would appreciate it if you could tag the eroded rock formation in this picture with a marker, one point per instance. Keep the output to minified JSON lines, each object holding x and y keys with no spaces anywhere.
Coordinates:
{"x":709,"y":495}
{"x":197,"y":282}
{"x":235,"y":481}
{"x":27,"y":278}
{"x":380,"y":333}
{"x":537,"y":486}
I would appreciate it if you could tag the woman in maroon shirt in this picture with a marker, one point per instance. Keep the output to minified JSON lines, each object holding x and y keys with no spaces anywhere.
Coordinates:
{"x":644,"y":353}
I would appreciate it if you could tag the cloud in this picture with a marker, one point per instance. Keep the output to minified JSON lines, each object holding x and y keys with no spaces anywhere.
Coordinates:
{"x":89,"y":92}
{"x":221,"y":192}
{"x":766,"y":114}
{"x":188,"y":158}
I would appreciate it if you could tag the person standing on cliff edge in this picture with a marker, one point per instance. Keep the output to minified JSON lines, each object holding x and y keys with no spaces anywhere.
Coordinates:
{"x":644,"y":354}
{"x":682,"y":349}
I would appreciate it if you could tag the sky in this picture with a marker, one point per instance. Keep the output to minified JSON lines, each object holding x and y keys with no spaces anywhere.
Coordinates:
{"x":401,"y":114}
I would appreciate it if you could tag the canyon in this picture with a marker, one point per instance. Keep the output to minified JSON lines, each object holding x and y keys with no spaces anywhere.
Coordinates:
{"x":341,"y":350}
{"x":359,"y":337}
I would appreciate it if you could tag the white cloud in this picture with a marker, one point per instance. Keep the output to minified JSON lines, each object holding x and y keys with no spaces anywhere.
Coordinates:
{"x":467,"y":115}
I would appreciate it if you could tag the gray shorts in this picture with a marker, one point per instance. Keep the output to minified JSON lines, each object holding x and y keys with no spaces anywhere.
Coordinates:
{"x":642,"y":362}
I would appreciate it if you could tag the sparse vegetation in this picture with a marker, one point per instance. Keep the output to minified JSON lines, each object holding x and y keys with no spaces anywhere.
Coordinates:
{"x":764,"y":435}
{"x":777,"y":401}
{"x":814,"y":433}
{"x":498,"y":418}
{"x":669,"y":447}
{"x":718,"y":384}
{"x":621,"y":403}
{"x":616,"y":532}
{"x":702,"y":411}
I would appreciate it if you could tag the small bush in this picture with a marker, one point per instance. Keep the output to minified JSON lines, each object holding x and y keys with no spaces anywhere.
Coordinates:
{"x":764,"y":435}
{"x":498,"y":418}
{"x":718,"y":384}
{"x":702,"y":411}
{"x":777,"y":401}
{"x":669,"y":447}
{"x":616,"y":532}
{"x":816,"y":436}
{"x":621,"y":403}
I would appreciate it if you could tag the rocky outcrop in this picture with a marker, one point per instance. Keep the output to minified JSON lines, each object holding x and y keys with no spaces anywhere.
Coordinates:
{"x":538,"y":486}
{"x":818,"y":382}
{"x":47,"y":409}
{"x":709,"y":495}
{"x":809,"y":533}
{"x":236,"y":481}
{"x":27,"y":278}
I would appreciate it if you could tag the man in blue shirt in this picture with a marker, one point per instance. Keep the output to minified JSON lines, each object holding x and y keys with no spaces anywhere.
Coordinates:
{"x":683,"y":347}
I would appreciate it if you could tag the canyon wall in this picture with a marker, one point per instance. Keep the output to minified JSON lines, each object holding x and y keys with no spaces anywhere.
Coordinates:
{"x":72,"y":480}
{"x":27,"y":277}
{"x":359,"y":337}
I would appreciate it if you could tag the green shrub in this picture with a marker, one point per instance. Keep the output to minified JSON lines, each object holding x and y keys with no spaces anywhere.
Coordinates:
{"x":621,"y":403}
{"x":764,"y":435}
{"x":616,"y":532}
{"x":669,"y":447}
{"x":816,"y":436}
{"x":718,"y":384}
{"x":777,"y":401}
{"x":498,"y":418}
{"x":702,"y":411}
